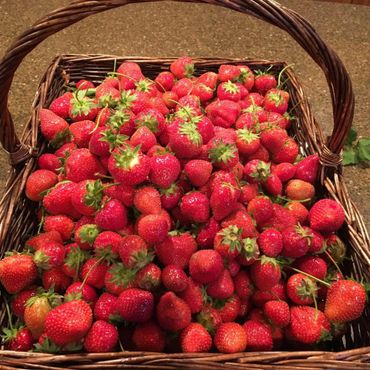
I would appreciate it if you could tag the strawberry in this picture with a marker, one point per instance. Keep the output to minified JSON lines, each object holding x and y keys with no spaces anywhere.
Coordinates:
{"x":55,"y":278}
{"x":149,"y":277}
{"x":228,"y":72}
{"x":223,"y":112}
{"x":78,"y":290}
{"x":326,"y":216}
{"x":133,"y":251}
{"x":153,"y":228}
{"x":335,"y":248}
{"x":259,"y":336}
{"x":172,"y":313}
{"x":281,"y":218}
{"x":147,"y":200}
{"x":223,"y":155}
{"x":53,"y":127}
{"x":207,"y":233}
{"x":299,"y":190}
{"x":254,"y":98}
{"x":61,"y":105}
{"x":49,"y":161}
{"x":243,"y":285}
{"x":170,"y":99}
{"x":84,"y":85}
{"x":270,"y":242}
{"x":123,"y":193}
{"x":121,"y":122}
{"x":135,"y":305}
{"x":176,"y":249}
{"x":49,"y":255}
{"x":276,"y":101}
{"x":87,"y":196}
{"x":182,"y":87}
{"x":264,"y":82}
{"x":246,"y":76}
{"x":198,"y":171}
{"x":247,"y":142}
{"x":249,"y":252}
{"x":284,"y":171}
{"x":38,"y":183}
{"x":128,"y":74}
{"x":81,"y":165}
{"x":171,"y":196}
{"x":193,"y":295}
{"x":305,"y":324}
{"x":203,"y":92}
{"x":148,"y":336}
{"x":205,"y":128}
{"x":230,"y":337}
{"x":74,"y":259}
{"x":195,"y":207}
{"x":223,"y":200}
{"x":277,"y":312}
{"x":19,"y":301}
{"x":18,"y":339}
{"x":248,"y":192}
{"x":265,"y":273}
{"x":261,"y":209}
{"x":164,"y":81}
{"x":82,"y":107}
{"x":228,"y":242}
{"x":298,"y":211}
{"x":81,"y":132}
{"x":93,"y":272}
{"x":174,"y":278}
{"x":312,"y":265}
{"x":260,"y":297}
{"x":118,"y":278}
{"x":296,"y":241}
{"x":287,"y":152}
{"x":182,"y":67}
{"x":165,"y":169}
{"x":85,"y":235}
{"x":301,"y":289}
{"x":228,"y":91}
{"x":17,"y":272}
{"x":185,"y":139}
{"x":195,"y":338}
{"x":143,"y":137}
{"x":261,"y":154}
{"x":205,"y":266}
{"x":345,"y":301}
{"x":256,"y":171}
{"x":222,"y":287}
{"x":69,"y":322}
{"x":307,"y":168}
{"x":101,"y":337}
{"x":209,"y":318}
{"x":229,"y":309}
{"x":60,"y":224}
{"x":243,"y":221}
{"x":128,"y":165}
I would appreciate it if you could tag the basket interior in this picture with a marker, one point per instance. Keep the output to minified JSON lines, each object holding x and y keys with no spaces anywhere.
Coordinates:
{"x":23,"y":219}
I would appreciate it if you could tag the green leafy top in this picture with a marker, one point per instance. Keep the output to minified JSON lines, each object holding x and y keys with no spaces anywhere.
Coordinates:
{"x":356,"y":150}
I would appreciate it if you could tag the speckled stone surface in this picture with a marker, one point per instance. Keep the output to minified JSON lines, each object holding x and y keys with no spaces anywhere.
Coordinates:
{"x":174,"y":29}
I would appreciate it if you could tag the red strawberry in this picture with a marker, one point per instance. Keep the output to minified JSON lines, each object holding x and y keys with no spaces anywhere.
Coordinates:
{"x":176,"y":249}
{"x":249,"y":252}
{"x":281,"y":218}
{"x":195,"y":207}
{"x":20,"y":339}
{"x":305,"y":324}
{"x":261,"y":209}
{"x":128,"y":165}
{"x":182,"y":87}
{"x":102,"y":337}
{"x":61,"y":105}
{"x":307,"y":168}
{"x":135,"y":305}
{"x":230,"y":338}
{"x":19,"y":301}
{"x":195,"y":338}
{"x":82,"y":165}
{"x":79,"y":290}
{"x":69,"y":322}
{"x":84,"y":85}
{"x":53,"y":127}
{"x":312,"y":265}
{"x":37,"y":241}
{"x":228,"y":91}
{"x":128,"y":74}
{"x":256,"y":171}
{"x":301,"y":289}
{"x":164,"y":81}
{"x":82,"y":107}
{"x":147,"y":200}
{"x":113,"y":216}
{"x":185,"y":139}
{"x":55,"y":278}
{"x":243,"y":221}
{"x":165,"y":169}
{"x":121,"y":123}
{"x":148,"y":336}
{"x":149,"y":277}
{"x":198,"y":172}
{"x":223,"y":200}
{"x":248,"y":192}
{"x":247,"y":142}
{"x":264,"y":82}
{"x":228,"y":72}
{"x":296,"y":241}
{"x":144,"y":137}
{"x":17,"y":272}
{"x":49,"y":255}
{"x":287,"y":152}
{"x":246,"y":76}
{"x":265,"y":273}
{"x":255,"y":98}
{"x":87,"y":196}
{"x":65,"y":150}
{"x":229,"y":309}
{"x":60,"y":224}
{"x":207,"y":233}
{"x":153,"y":228}
{"x":85,"y":235}
{"x":209,"y":79}
{"x":260,"y":297}
{"x":203,"y":92}
{"x":270,"y":242}
{"x":105,"y":308}
{"x":299,"y":212}
{"x":259,"y":336}
{"x":93,"y":272}
{"x":210,"y":319}
{"x":222,"y":287}
{"x":174,"y":278}
{"x":326,"y":216}
{"x":223,"y":155}
{"x":171,"y":196}
{"x":285,"y":171}
{"x":121,"y":192}
{"x":228,"y":242}
{"x":172,"y":313}
{"x":345,"y":301}
{"x":182,"y":67}
{"x":243,"y":285}
{"x":133,"y":251}
{"x":205,"y":266}
{"x":193,"y":295}
{"x":81,"y":132}
{"x":276,"y":101}
{"x":38,"y":182}
{"x":49,"y":161}
{"x":277,"y":312}
{"x":223,"y":112}
{"x":118,"y":278}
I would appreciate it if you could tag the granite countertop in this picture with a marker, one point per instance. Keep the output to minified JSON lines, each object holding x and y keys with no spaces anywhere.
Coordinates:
{"x":174,"y":29}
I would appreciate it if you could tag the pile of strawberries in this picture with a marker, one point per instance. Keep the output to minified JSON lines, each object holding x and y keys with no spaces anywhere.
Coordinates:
{"x":176,"y":214}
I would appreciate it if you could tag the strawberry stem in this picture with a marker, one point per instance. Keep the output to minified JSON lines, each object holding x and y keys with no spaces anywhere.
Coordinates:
{"x":310,"y":276}
{"x":281,"y":74}
{"x":8,"y":313}
{"x":333,"y":262}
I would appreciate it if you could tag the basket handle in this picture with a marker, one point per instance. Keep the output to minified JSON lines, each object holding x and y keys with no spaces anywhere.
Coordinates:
{"x":268,"y":10}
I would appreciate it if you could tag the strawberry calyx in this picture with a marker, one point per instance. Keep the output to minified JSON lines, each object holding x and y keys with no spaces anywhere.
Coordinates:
{"x":173,"y":189}
{"x":206,"y":319}
{"x":243,"y":76}
{"x":231,"y":236}
{"x":47,"y":346}
{"x":264,"y":260}
{"x":62,"y":137}
{"x":50,"y":297}
{"x":106,"y":254}
{"x":81,"y":104}
{"x":10,"y":334}
{"x":307,"y":288}
{"x":121,"y":275}
{"x":144,"y":85}
{"x":307,"y":234}
{"x":107,"y":101}
{"x":113,"y":139}
{"x":128,"y":157}
{"x":262,"y":171}
{"x":249,"y":250}
{"x":246,"y":135}
{"x":187,"y":113}
{"x":230,"y":87}
{"x":142,"y":258}
{"x":118,"y":119}
{"x":149,"y":121}
{"x":94,"y":194}
{"x":275,"y":97}
{"x":189,"y":69}
{"x":335,"y":249}
{"x":222,"y":152}
{"x":75,"y":259}
{"x":127,"y":98}
{"x":88,"y":233}
{"x":41,"y":260}
{"x":190,"y":130}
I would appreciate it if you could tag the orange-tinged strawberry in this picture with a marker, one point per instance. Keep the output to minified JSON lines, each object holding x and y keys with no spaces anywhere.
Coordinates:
{"x":195,"y":338}
{"x":230,"y":338}
{"x":259,"y":336}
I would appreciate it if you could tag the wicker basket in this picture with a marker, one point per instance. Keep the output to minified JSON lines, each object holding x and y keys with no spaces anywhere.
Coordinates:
{"x":17,"y":214}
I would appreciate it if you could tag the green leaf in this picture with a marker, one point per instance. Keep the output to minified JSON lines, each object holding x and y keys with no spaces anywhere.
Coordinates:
{"x":349,"y":156}
{"x":363,"y":149}
{"x":351,"y":137}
